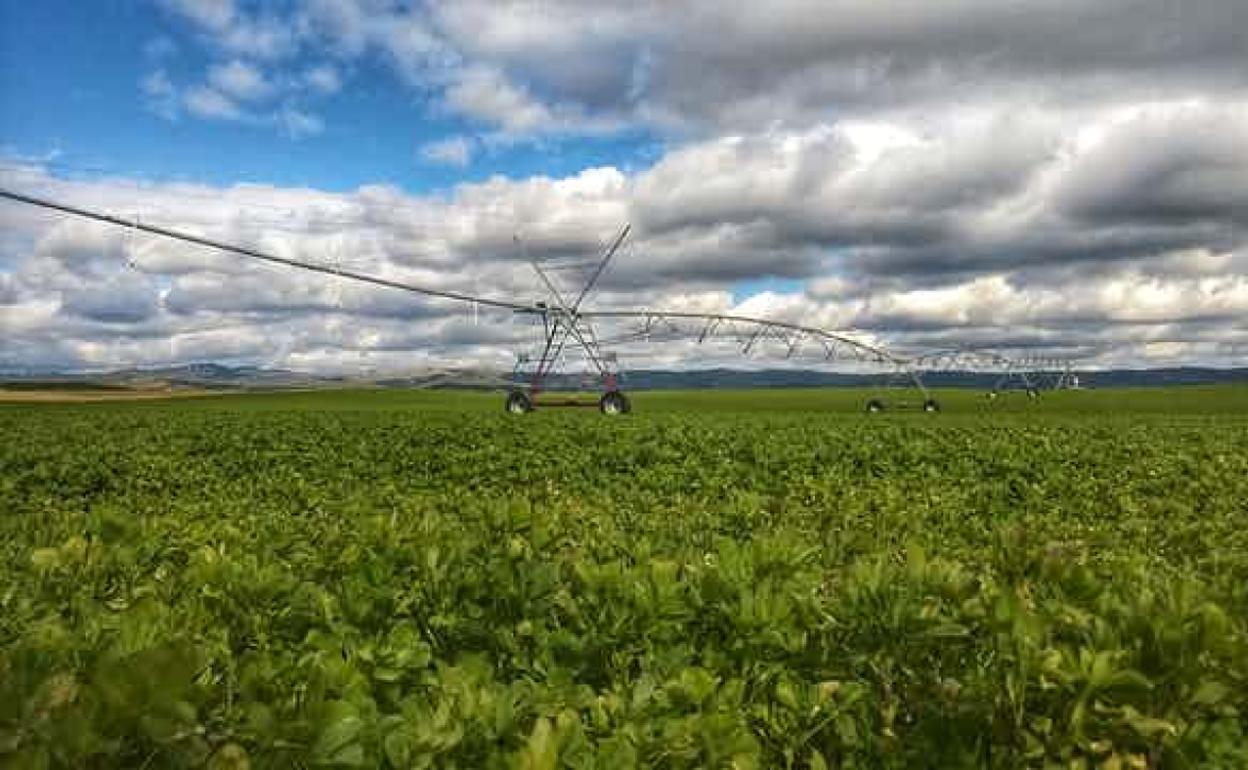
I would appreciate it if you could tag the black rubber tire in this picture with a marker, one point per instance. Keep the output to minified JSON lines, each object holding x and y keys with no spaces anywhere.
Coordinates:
{"x":875,"y":405}
{"x":614,"y":402}
{"x":931,"y":405}
{"x":518,"y":403}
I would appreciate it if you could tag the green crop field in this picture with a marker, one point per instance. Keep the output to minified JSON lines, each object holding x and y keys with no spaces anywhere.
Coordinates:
{"x":722,"y":579}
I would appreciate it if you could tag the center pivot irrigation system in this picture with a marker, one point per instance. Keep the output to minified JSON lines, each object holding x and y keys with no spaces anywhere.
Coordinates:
{"x":566,"y":328}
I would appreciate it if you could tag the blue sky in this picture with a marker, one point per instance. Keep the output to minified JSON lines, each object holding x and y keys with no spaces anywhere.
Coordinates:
{"x":73,"y":94}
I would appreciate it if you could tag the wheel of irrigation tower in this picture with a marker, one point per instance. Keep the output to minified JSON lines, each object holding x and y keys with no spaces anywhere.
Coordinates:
{"x":931,"y":405}
{"x":875,"y":405}
{"x":518,"y":403}
{"x":614,"y":402}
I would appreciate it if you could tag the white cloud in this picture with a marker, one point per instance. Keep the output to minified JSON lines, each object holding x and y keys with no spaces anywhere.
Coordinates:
{"x":240,"y":80}
{"x":205,"y":102}
{"x":298,"y":124}
{"x":8,"y":289}
{"x":211,"y":14}
{"x":234,"y":30}
{"x":160,"y":95}
{"x":260,"y":38}
{"x":323,"y":79}
{"x":710,"y":66}
{"x":707,"y":216}
{"x":485,"y":94}
{"x":703,"y":66}
{"x":452,"y":151}
{"x":405,"y":38}
{"x":253,"y":73}
{"x":208,"y":102}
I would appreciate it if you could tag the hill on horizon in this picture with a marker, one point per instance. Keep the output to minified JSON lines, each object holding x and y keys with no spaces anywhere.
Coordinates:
{"x":211,"y":375}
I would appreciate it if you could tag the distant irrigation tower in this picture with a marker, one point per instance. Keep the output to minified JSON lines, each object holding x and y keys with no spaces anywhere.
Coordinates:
{"x":1028,"y":373}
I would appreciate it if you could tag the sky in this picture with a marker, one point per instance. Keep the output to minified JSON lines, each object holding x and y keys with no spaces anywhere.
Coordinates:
{"x":1066,"y":177}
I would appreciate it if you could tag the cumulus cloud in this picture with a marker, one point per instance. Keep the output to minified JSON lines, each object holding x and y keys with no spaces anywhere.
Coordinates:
{"x":991,"y":233}
{"x":703,"y":66}
{"x":323,"y":79}
{"x":124,"y":298}
{"x":297,"y":123}
{"x":210,"y":103}
{"x":206,"y":102}
{"x":487,"y":95}
{"x":1186,"y":163}
{"x":1004,"y":192}
{"x":452,"y":151}
{"x":251,"y":69}
{"x":160,"y":95}
{"x":708,"y":66}
{"x":240,"y":80}
{"x":8,"y":289}
{"x":211,"y":14}
{"x":261,"y":34}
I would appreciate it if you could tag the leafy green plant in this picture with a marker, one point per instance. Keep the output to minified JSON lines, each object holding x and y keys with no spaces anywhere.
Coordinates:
{"x":249,"y":585}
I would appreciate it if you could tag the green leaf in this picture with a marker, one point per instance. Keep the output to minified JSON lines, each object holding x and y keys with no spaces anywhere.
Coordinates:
{"x":231,"y":756}
{"x":338,"y":742}
{"x":817,"y":762}
{"x":1210,"y":693}
{"x":45,"y":558}
{"x":398,"y":746}
{"x":541,"y":752}
{"x":786,"y":694}
{"x":948,"y":631}
{"x":1147,"y":726}
{"x":386,"y":674}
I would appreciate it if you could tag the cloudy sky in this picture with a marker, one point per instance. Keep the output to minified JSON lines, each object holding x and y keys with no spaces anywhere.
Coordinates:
{"x":1063,"y":176}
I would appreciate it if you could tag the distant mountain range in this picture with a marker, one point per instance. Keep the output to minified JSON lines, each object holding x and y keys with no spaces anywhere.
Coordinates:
{"x":806,"y":378}
{"x":214,"y":376}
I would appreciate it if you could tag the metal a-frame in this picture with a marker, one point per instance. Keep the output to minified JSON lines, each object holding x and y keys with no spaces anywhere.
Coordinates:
{"x":564,"y":326}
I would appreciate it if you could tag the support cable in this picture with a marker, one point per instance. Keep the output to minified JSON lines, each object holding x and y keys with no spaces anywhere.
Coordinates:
{"x":258,"y":255}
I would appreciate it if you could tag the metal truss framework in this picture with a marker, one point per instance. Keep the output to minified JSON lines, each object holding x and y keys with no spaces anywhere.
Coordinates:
{"x":748,"y":332}
{"x":562,"y":325}
{"x":565,"y":326}
{"x":1029,"y":372}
